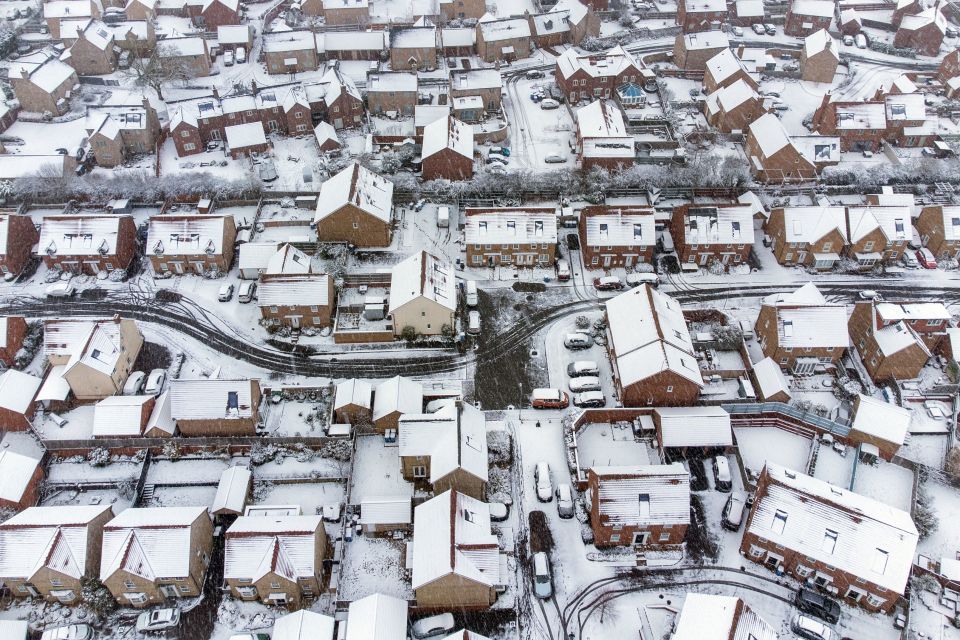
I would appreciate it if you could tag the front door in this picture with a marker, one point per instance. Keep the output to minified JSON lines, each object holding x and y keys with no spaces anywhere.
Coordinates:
{"x":854,"y":594}
{"x":294,"y":321}
{"x":272,"y":125}
{"x":338,"y":123}
{"x":168,"y":590}
{"x":628,"y":261}
{"x":703,"y":259}
{"x":177,"y":267}
{"x":606,"y":261}
{"x":802,"y":257}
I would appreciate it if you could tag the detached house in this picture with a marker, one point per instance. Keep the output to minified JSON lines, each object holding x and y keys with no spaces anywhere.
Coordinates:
{"x":849,"y":545}
{"x":720,"y":233}
{"x":456,"y":558}
{"x":392,"y":92}
{"x":48,"y":552}
{"x":640,"y":506}
{"x":583,"y":75}
{"x":191,"y":243}
{"x":617,"y":236}
{"x":296,"y":300}
{"x":930,"y":320}
{"x":889,"y":348}
{"x":97,"y":356}
{"x":733,"y":108}
{"x":150,"y":555}
{"x":801,"y":332}
{"x":726,"y":616}
{"x":820,"y":57}
{"x":423,"y":295}
{"x":413,"y":48}
{"x":355,"y":206}
{"x":923,"y":32}
{"x":189,"y":53}
{"x":213,"y":407}
{"x":808,"y":236}
{"x":651,"y":351}
{"x":290,"y":52}
{"x":483,"y":83}
{"x":522,"y":236}
{"x":692,"y":50}
{"x":43,"y":84}
{"x":447,"y":150}
{"x":503,"y":38}
{"x":879,"y":424}
{"x":88,"y":244}
{"x":216,"y":13}
{"x":17,"y":237}
{"x":93,"y":54}
{"x":21,"y":476}
{"x":701,"y":15}
{"x":275,"y":559}
{"x":878,"y":234}
{"x":808,"y":16}
{"x":939,"y":229}
{"x":346,"y":12}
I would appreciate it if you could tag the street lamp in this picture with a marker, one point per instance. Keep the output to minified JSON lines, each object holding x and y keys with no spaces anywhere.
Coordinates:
{"x":520,"y":406}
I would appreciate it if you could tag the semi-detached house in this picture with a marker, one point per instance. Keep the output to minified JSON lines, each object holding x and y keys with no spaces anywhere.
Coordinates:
{"x":522,"y":236}
{"x":87,"y":244}
{"x":713,"y":233}
{"x":617,"y":236}
{"x":191,"y":243}
{"x":808,"y":236}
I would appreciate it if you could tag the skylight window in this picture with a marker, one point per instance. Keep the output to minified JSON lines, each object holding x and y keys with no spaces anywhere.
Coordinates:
{"x":644,"y":505}
{"x":880,"y":559}
{"x":779,"y":521}
{"x":829,"y":542}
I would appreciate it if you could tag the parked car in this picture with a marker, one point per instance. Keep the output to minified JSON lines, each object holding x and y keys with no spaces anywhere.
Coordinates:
{"x":565,"y":507}
{"x":541,"y":479}
{"x":770,"y":29}
{"x":550,"y":399}
{"x":226,"y":293}
{"x":589,"y":399}
{"x":158,"y":620}
{"x":497,"y":158}
{"x":733,"y":511}
{"x":607,"y":283}
{"x":134,"y":383}
{"x":583,"y":368}
{"x":155,"y":381}
{"x":860,"y":41}
{"x":721,"y":474}
{"x":534,"y":74}
{"x":758,"y":29}
{"x":926,"y":259}
{"x":637,"y":279}
{"x":500,"y":151}
{"x":61,"y":290}
{"x":563,"y":269}
{"x":247,"y":292}
{"x":909,"y":260}
{"x":499,"y":511}
{"x":537,"y":96}
{"x":549,"y":104}
{"x":241,"y":55}
{"x":869,"y":294}
{"x":554,"y":158}
{"x":811,"y":629}
{"x":439,"y":625}
{"x":473,"y":322}
{"x":577,"y":341}
{"x":228,"y":58}
{"x":848,"y":41}
{"x":809,"y":601}
{"x":585,"y":383}
{"x":542,"y":581}
{"x":471,"y":293}
{"x":738,"y":32}
{"x":69,"y":632}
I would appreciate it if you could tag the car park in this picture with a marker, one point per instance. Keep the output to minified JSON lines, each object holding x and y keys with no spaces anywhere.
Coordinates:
{"x":926,"y":259}
{"x":733,"y":509}
{"x":810,"y":629}
{"x":438,"y":625}
{"x":816,"y":604}
{"x":134,"y":383}
{"x":589,"y":399}
{"x":584,"y":383}
{"x":545,"y":398}
{"x":565,"y":508}
{"x":722,"y":479}
{"x":155,"y":381}
{"x":583,"y":368}
{"x":577,"y":341}
{"x":542,"y":581}
{"x":541,"y":480}
{"x":158,"y":620}
{"x":549,"y":104}
{"x":607,"y":283}
{"x":225,"y":294}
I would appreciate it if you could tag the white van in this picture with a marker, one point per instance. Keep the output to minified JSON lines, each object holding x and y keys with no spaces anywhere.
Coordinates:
{"x":721,"y":474}
{"x":541,"y":478}
{"x":583,"y":368}
{"x":563,"y":269}
{"x":471,"y":293}
{"x":585,"y":383}
{"x":443,"y":216}
{"x":241,"y":55}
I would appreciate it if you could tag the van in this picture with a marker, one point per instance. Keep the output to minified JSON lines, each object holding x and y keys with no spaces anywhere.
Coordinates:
{"x":471,"y":293}
{"x":563,"y":269}
{"x":473,"y":323}
{"x":443,"y":216}
{"x":565,"y":507}
{"x":228,"y":58}
{"x":577,"y":340}
{"x":637,"y":279}
{"x":583,"y":368}
{"x":542,"y":582}
{"x":241,"y":55}
{"x":733,"y":511}
{"x":721,"y":474}
{"x":585,"y":383}
{"x":541,"y":479}
{"x":247,"y":292}
{"x":550,"y":399}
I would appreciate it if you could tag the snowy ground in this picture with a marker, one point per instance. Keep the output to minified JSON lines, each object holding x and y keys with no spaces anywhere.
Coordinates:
{"x":760,"y":444}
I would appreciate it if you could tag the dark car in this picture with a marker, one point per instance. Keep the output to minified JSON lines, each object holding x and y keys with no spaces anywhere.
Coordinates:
{"x":607,"y":283}
{"x":811,"y":602}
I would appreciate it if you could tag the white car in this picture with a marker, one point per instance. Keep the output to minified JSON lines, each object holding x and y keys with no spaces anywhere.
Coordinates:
{"x":473,"y":322}
{"x":440,"y":625}
{"x":554,"y":158}
{"x":155,"y":382}
{"x":869,"y":294}
{"x":69,"y":632}
{"x":541,"y":478}
{"x":134,"y":383}
{"x":549,"y":104}
{"x":158,"y":620}
{"x":226,"y":293}
{"x":61,"y":290}
{"x":542,"y":581}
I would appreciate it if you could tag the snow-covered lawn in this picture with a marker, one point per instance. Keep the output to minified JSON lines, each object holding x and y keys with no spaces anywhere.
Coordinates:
{"x":759,"y":444}
{"x":376,"y":471}
{"x":887,"y":482}
{"x":611,"y":445}
{"x":944,"y":542}
{"x":373,"y":565}
{"x":71,"y":472}
{"x":186,"y":471}
{"x":196,"y":496}
{"x":833,"y":467}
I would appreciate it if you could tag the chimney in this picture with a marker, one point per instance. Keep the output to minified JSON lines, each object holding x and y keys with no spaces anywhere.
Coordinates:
{"x":740,"y":51}
{"x":216,"y":92}
{"x":24,"y":73}
{"x":253,"y":86}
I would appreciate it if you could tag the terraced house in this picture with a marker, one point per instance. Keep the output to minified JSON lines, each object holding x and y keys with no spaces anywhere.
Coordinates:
{"x":714,"y":233}
{"x":88,"y":244}
{"x":616,"y":236}
{"x":521,"y":236}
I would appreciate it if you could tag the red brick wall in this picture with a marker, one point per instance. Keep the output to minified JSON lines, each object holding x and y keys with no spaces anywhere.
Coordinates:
{"x":16,"y":331}
{"x":21,"y":236}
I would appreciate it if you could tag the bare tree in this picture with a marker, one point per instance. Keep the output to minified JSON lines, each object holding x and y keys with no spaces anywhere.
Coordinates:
{"x":164,"y":64}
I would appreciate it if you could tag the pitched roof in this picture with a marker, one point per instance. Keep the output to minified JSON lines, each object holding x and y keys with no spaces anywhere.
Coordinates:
{"x":610,"y":63}
{"x":120,"y":416}
{"x":74,"y":235}
{"x":288,"y":260}
{"x":713,"y":617}
{"x":150,"y":543}
{"x":511,"y":225}
{"x":807,"y":225}
{"x":621,"y":227}
{"x":881,"y":419}
{"x":694,"y":427}
{"x":190,"y":234}
{"x":212,"y":399}
{"x":708,"y":225}
{"x":356,"y":185}
{"x":423,"y":276}
{"x":16,"y":472}
{"x":377,"y":617}
{"x":397,"y":394}
{"x":455,"y":437}
{"x":232,"y":490}
{"x":643,"y":495}
{"x":311,"y":289}
{"x":448,"y":133}
{"x":17,"y":390}
{"x":303,"y":625}
{"x":353,"y":392}
{"x":285,"y":545}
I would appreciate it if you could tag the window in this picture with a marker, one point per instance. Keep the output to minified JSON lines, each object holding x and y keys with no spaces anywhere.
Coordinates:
{"x":615,"y":537}
{"x":419,"y":471}
{"x":298,"y":115}
{"x":665,"y":537}
{"x":356,"y":225}
{"x":313,"y":308}
{"x":185,"y":588}
{"x":827,"y":247}
{"x":803,"y":571}
{"x":874,"y":601}
{"x":129,"y":585}
{"x":184,"y":134}
{"x":868,"y":246}
{"x":56,"y":582}
{"x":779,"y":521}
{"x":274,"y":309}
{"x":670,"y":389}
{"x":274,"y":585}
{"x":189,"y":146}
{"x":756,"y":552}
{"x":301,"y":127}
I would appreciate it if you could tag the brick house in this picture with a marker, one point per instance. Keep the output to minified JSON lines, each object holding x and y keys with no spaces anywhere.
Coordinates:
{"x":185,"y":131}
{"x":17,"y":391}
{"x":652,"y":355}
{"x":775,"y":156}
{"x":701,"y":15}
{"x":56,"y":12}
{"x":93,"y":53}
{"x":13,"y":329}
{"x":849,"y":22}
{"x":45,"y":85}
{"x":503,"y":39}
{"x":733,"y":108}
{"x":644,"y":506}
{"x":19,"y":234}
{"x":215,"y":407}
{"x":355,"y":206}
{"x":446,"y":449}
{"x":808,"y":236}
{"x":122,"y":416}
{"x":724,"y":69}
{"x":396,"y":92}
{"x":290,"y":52}
{"x":150,"y":555}
{"x":929,"y":320}
{"x":704,"y":234}
{"x":117,"y":132}
{"x":877,"y":234}
{"x":239,"y":109}
{"x":413,"y":48}
{"x":939,"y":229}
{"x":352,"y":402}
{"x":232,"y":36}
{"x":393,"y":398}
{"x":727,"y":617}
{"x":423,"y":295}
{"x":485,"y":83}
{"x":447,"y":150}
{"x":189,"y":53}
{"x":296,"y":300}
{"x":191,"y":243}
{"x":890,"y":350}
{"x":906,"y":8}
{"x":521,"y":236}
{"x":335,"y":99}
{"x":246,"y":139}
{"x":216,"y":13}
{"x":47,"y":552}
{"x":848,"y":545}
{"x":801,"y":332}
{"x":346,"y":12}
{"x":602,"y":139}
{"x":861,"y":126}
{"x":285,"y":110}
{"x":746,"y":13}
{"x":616,"y":236}
{"x":808,"y":16}
{"x":459,"y":9}
{"x":583,"y":75}
{"x":949,"y":66}
{"x":145,"y":10}
{"x":351,"y":45}
{"x":458,"y":41}
{"x":692,"y":50}
{"x":819,"y":58}
{"x":277,"y":560}
{"x":879,"y":423}
{"x":23,"y":475}
{"x":87,"y":244}
{"x":922,"y":32}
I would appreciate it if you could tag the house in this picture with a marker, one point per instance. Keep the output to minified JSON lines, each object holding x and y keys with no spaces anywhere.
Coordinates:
{"x":288,"y":260}
{"x":801,"y":332}
{"x":240,"y":109}
{"x":714,"y":233}
{"x":771,"y":384}
{"x":691,"y":51}
{"x":775,"y":156}
{"x":355,"y":206}
{"x":849,"y":22}
{"x":17,"y":392}
{"x":808,"y":236}
{"x":714,"y":617}
{"x":391,"y":93}
{"x":891,"y":349}
{"x":118,"y":131}
{"x":701,"y":15}
{"x":569,"y":21}
{"x":134,"y":36}
{"x":616,"y":236}
{"x":335,"y":98}
{"x":296,"y":300}
{"x":290,"y":52}
{"x":377,"y":617}
{"x":851,"y":546}
{"x":21,"y":476}
{"x":393,"y":398}
{"x":929,"y":320}
{"x":93,"y":53}
{"x":254,"y":257}
{"x":460,"y":9}
{"x":583,"y":75}
{"x":651,"y":352}
{"x":275,"y":559}
{"x":188,"y":54}
{"x":456,"y":559}
{"x":646,"y":506}
{"x":939,"y":229}
{"x":602,"y":139}
{"x":216,"y":13}
{"x":48,"y":552}
{"x":725,"y":69}
{"x":413,"y":48}
{"x":153,"y":554}
{"x":820,"y":57}
{"x":808,"y":16}
{"x":880,"y":424}
{"x":458,"y":41}
{"x":145,"y":10}
{"x":17,"y":237}
{"x":66,"y":10}
{"x":346,"y":12}
{"x":160,"y":424}
{"x":122,"y":416}
{"x":522,"y":236}
{"x":734,"y":107}
{"x":447,"y":448}
{"x":246,"y":139}
{"x":288,"y":112}
{"x":326,"y":137}
{"x":351,"y":45}
{"x":906,"y":8}
{"x":861,"y":126}
{"x":698,"y":428}
{"x":423,"y":295}
{"x":185,"y":243}
{"x":352,"y":402}
{"x":233,"y":36}
{"x":746,"y":13}
{"x":949,"y":66}
{"x":13,"y":330}
{"x":87,"y":244}
{"x":503,"y":39}
{"x":42,"y":83}
{"x":483,"y":83}
{"x":922,"y":32}
{"x":213,"y":407}
{"x":185,"y":131}
{"x":233,"y":492}
{"x":447,"y":150}
{"x":878,"y":234}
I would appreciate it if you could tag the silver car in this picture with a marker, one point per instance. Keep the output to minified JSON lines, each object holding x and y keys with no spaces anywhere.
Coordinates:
{"x":542,"y":581}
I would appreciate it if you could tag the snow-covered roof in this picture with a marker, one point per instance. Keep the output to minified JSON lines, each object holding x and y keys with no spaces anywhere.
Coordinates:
{"x":504,"y":29}
{"x":151,"y":543}
{"x":705,"y":6}
{"x":212,"y":399}
{"x":235,"y":34}
{"x":861,"y":115}
{"x":356,"y":185}
{"x":55,"y":386}
{"x":177,"y":47}
{"x":724,"y":64}
{"x":912,"y":311}
{"x":324,"y":132}
{"x":694,"y":427}
{"x":718,"y":225}
{"x":511,"y":225}
{"x":98,"y":34}
{"x":835,"y":527}
{"x":353,"y":392}
{"x":284,"y":41}
{"x":377,"y":617}
{"x":807,"y":225}
{"x":84,"y":235}
{"x":186,"y":235}
{"x":809,"y":326}
{"x":820,"y":41}
{"x":386,"y":510}
{"x":160,"y":419}
{"x":345,"y":4}
{"x":600,"y":119}
{"x":642,"y":495}
{"x":17,"y":390}
{"x":119,"y":416}
{"x":50,"y":74}
{"x":649,"y":335}
{"x":67,"y":9}
{"x":397,"y":394}
{"x":303,"y":625}
{"x":414,"y":38}
{"x":475,"y":80}
{"x":608,"y":64}
{"x":849,"y":15}
{"x":881,"y":419}
{"x":311,"y":289}
{"x":256,"y":546}
{"x":232,"y":5}
{"x":288,"y":260}
{"x":256,"y":255}
{"x":730,"y":97}
{"x":621,"y":227}
{"x":336,"y":41}
{"x":238,"y":104}
{"x":448,"y":133}
{"x":713,"y":617}
{"x":240,"y":136}
{"x":455,"y":437}
{"x":901,"y":84}
{"x":451,"y":535}
{"x":770,"y":378}
{"x":893,"y":221}
{"x":391,"y":82}
{"x":232,"y":491}
{"x":750,"y":8}
{"x":16,"y":472}
{"x":549,"y":23}
{"x":817,"y":8}
{"x":705,"y":40}
{"x":896,"y":337}
{"x":769,"y":133}
{"x":905,"y":106}
{"x":932,"y":16}
{"x":458,"y":37}
{"x":423,"y":275}
{"x":949,"y":219}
